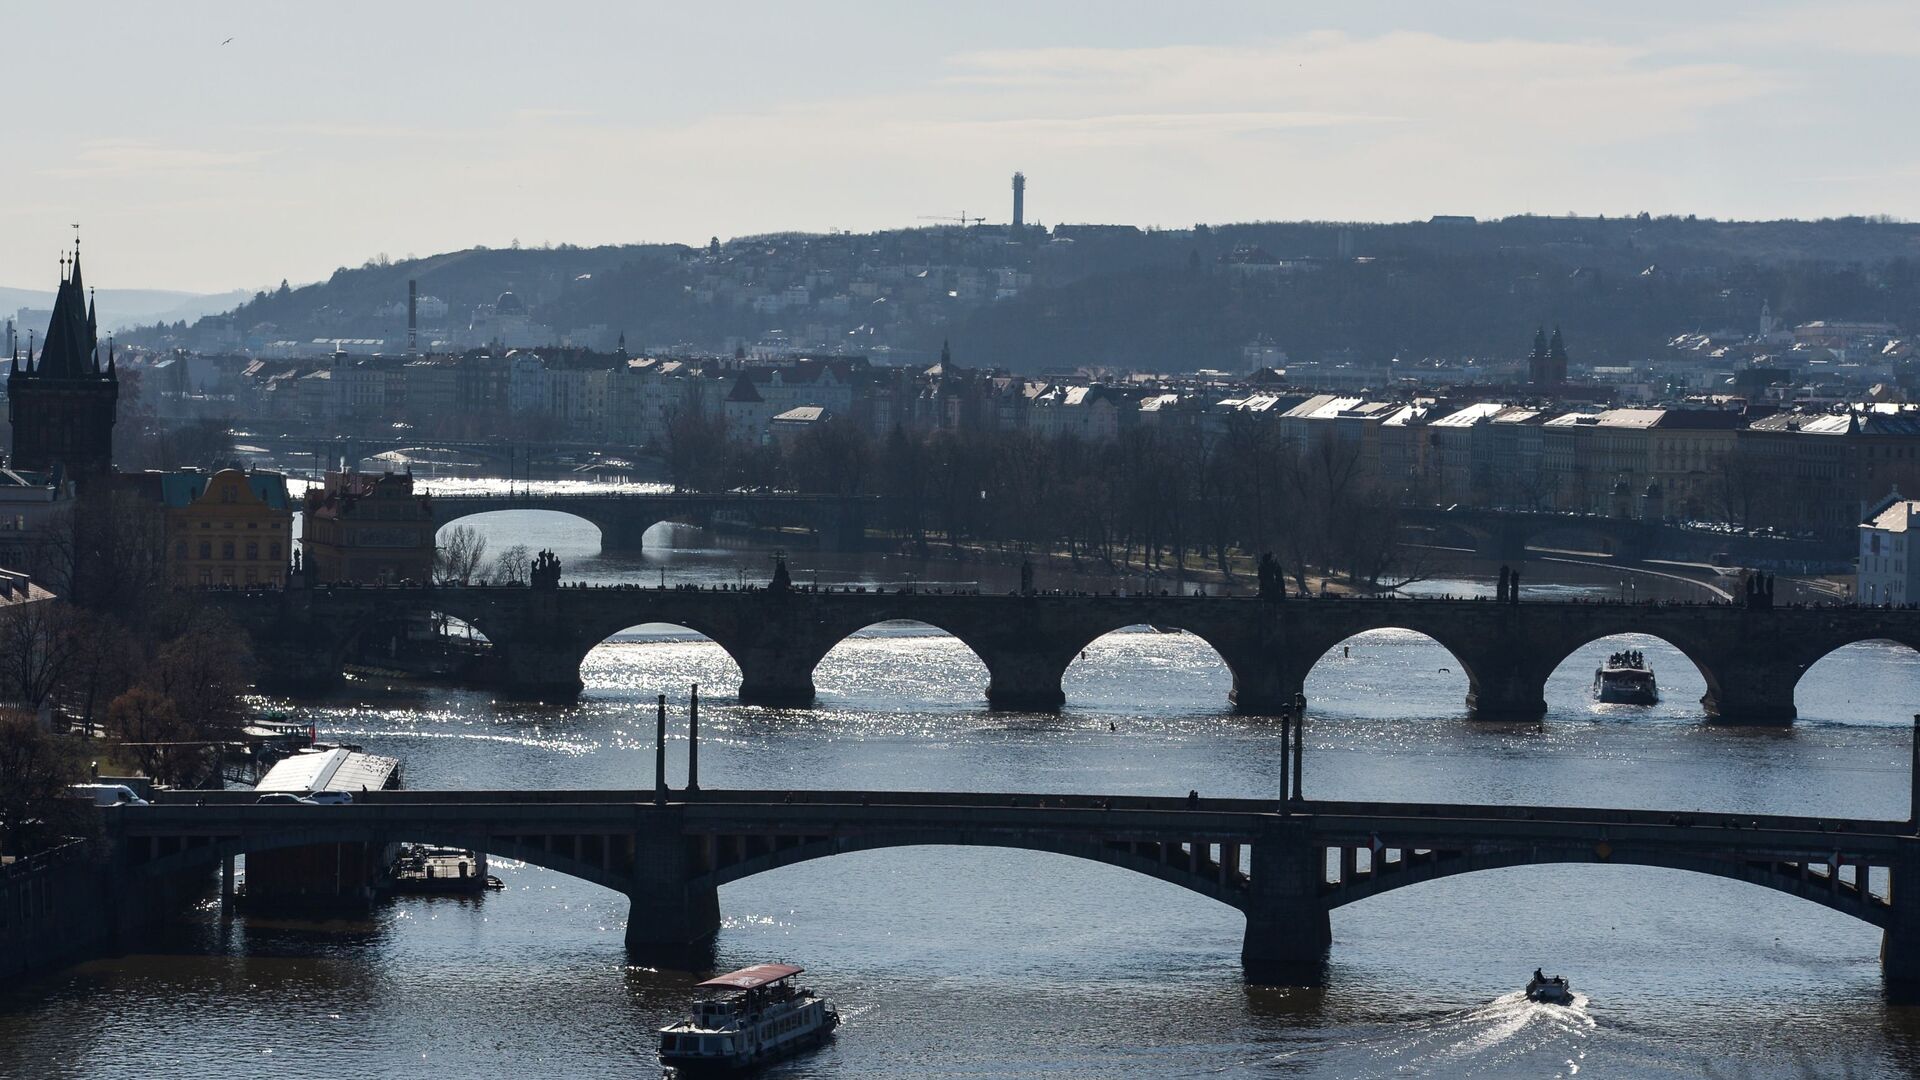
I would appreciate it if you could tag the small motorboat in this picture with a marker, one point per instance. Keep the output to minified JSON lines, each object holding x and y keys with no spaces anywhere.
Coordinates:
{"x":750,"y":1017}
{"x":1549,"y":989}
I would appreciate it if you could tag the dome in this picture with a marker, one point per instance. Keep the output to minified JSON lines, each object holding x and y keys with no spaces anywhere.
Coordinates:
{"x":509,"y":304}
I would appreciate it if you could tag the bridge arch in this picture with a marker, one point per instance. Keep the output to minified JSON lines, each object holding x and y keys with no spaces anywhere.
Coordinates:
{"x":1180,"y":668}
{"x":1849,"y":682}
{"x":1429,"y":673}
{"x":650,"y":657}
{"x":1805,"y":880}
{"x":1216,"y":872}
{"x":609,"y":866}
{"x":903,"y":659}
{"x":1574,"y":670}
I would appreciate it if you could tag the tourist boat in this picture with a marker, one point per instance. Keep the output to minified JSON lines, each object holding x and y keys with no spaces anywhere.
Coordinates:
{"x":1625,"y":679}
{"x":1550,"y":989}
{"x":750,"y":1017}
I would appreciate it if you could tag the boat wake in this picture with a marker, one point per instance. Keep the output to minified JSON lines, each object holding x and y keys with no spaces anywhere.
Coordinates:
{"x":1508,"y":1036}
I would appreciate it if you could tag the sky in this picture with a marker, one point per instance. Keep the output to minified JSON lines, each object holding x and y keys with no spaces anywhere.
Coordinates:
{"x":210,"y":146}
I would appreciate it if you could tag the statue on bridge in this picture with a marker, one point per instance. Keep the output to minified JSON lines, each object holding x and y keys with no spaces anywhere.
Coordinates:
{"x":1026,"y":577}
{"x":1502,"y":591}
{"x":1273,"y":579}
{"x":1759,"y":591}
{"x":545,"y":572}
{"x":782,"y":581}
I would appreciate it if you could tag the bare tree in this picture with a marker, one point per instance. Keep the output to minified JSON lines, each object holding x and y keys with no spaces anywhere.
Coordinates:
{"x":36,"y":768}
{"x":460,"y":557}
{"x":513,"y":567}
{"x":37,"y":645}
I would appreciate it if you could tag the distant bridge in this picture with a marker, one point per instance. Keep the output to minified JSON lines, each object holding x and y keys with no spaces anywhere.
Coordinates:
{"x":669,"y":852}
{"x":623,"y":517}
{"x":1749,"y":659}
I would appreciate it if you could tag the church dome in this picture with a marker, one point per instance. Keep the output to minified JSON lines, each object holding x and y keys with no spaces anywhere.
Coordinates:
{"x":509,"y":304}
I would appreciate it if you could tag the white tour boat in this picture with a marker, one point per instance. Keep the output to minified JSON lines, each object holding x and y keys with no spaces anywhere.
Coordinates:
{"x":750,"y":1017}
{"x":1625,"y":679}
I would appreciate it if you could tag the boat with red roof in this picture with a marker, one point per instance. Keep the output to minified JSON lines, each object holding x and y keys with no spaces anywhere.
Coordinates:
{"x":748,"y":1018}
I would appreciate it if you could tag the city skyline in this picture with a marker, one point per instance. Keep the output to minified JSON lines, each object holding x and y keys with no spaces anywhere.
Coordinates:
{"x":249,"y":156}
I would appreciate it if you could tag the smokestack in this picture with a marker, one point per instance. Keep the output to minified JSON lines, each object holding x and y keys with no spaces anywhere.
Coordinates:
{"x":413,"y":313}
{"x":1019,"y":200}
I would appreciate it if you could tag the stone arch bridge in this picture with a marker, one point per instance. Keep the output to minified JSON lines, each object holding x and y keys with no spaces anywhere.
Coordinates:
{"x":669,"y":852}
{"x":623,"y":518}
{"x":1750,"y":659}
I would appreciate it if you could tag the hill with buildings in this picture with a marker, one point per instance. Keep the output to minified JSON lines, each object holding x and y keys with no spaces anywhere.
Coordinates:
{"x":1075,"y":295}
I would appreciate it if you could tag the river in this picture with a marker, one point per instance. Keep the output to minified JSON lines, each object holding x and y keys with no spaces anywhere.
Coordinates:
{"x":951,"y":962}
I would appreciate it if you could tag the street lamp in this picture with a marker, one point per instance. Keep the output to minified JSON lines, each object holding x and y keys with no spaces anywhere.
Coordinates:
{"x":1299,"y":742}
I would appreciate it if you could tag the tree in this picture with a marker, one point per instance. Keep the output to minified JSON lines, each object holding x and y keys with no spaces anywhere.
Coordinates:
{"x":513,"y":567}
{"x":36,"y":769}
{"x":459,"y":558}
{"x":37,"y":645}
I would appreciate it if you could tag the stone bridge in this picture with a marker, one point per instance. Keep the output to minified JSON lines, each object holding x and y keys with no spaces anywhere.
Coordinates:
{"x":623,"y":518}
{"x":1507,"y":534}
{"x":1284,"y":870}
{"x":1750,"y":659}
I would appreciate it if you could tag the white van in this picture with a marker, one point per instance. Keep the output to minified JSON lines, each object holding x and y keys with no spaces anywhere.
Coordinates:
{"x":109,"y":794}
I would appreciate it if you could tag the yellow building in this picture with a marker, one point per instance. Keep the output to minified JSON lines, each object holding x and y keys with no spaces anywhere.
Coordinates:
{"x":231,"y":528}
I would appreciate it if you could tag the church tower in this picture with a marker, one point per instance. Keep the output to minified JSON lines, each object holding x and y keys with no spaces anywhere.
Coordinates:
{"x":62,"y":403}
{"x":1537,"y":360}
{"x":1557,"y":360}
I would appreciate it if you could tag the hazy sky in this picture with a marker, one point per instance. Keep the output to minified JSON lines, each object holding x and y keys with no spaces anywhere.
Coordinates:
{"x":322,"y":134}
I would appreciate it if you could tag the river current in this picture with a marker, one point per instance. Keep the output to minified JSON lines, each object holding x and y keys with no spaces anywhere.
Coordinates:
{"x":951,"y":962}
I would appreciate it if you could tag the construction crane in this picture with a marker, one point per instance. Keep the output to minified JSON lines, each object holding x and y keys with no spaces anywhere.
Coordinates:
{"x":963,"y":219}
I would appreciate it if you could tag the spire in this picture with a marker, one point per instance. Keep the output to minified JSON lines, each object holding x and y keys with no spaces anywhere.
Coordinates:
{"x":111,"y":374}
{"x":1540,"y":343}
{"x":70,"y":341}
{"x":1557,"y":348}
{"x":946,"y":355}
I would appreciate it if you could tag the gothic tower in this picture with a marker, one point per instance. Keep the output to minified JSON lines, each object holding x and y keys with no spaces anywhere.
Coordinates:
{"x":1537,"y":360}
{"x":1557,"y":360}
{"x":62,"y":403}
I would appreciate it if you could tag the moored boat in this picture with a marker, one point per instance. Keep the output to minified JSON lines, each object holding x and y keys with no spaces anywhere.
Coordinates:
{"x":1625,"y":679}
{"x":749,"y":1018}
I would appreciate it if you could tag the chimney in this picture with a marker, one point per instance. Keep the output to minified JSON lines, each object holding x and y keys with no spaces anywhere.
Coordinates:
{"x":413,"y":311}
{"x":1019,"y":200}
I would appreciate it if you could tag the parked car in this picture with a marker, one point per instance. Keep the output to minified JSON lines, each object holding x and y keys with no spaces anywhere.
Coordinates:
{"x":109,"y":794}
{"x":284,"y":798}
{"x":330,"y":798}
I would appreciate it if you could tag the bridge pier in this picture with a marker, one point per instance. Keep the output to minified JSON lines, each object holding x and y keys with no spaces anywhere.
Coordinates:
{"x":672,"y":919}
{"x":1900,"y":941}
{"x":776,"y":678}
{"x":1263,"y":689}
{"x":625,"y":533}
{"x":1749,"y":693}
{"x":1502,"y":690}
{"x":1289,"y":932}
{"x":1024,"y":682}
{"x":531,"y":670}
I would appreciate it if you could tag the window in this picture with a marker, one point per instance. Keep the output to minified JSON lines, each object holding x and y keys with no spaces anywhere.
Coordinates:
{"x":206,"y":576}
{"x":180,"y":550}
{"x":253,"y":549}
{"x":253,"y":576}
{"x":206,"y":549}
{"x":273,"y":550}
{"x":226,"y":549}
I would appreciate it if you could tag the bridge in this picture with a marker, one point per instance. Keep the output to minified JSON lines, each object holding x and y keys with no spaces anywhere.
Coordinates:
{"x":1749,"y":658}
{"x":1285,"y":866}
{"x":623,"y":518}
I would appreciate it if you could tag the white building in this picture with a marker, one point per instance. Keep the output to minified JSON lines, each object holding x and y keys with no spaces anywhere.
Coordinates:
{"x":1883,"y":576}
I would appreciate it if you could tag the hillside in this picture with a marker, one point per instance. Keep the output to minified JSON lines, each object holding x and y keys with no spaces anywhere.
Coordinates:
{"x":1104,"y":294}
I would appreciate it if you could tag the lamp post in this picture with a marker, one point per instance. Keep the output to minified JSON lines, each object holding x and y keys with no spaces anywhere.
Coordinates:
{"x":1299,"y":742}
{"x":1286,"y":752}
